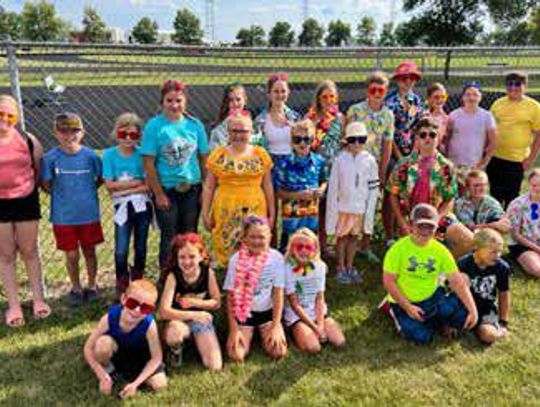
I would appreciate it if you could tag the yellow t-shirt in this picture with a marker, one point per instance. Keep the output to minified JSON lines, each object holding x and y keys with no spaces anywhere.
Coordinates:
{"x":516,"y":120}
{"x":418,"y":267}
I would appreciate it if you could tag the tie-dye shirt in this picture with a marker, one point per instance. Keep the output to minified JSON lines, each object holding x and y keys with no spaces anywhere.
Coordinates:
{"x":294,"y":174}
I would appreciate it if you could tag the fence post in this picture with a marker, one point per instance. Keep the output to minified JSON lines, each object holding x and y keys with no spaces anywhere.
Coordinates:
{"x":447,"y":65}
{"x":14,"y":78}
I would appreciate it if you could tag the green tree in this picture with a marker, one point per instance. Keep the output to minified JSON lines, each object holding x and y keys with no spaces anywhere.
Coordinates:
{"x":339,"y":34}
{"x":508,"y":14}
{"x":94,"y":28}
{"x":40,"y":22}
{"x":187,"y":28}
{"x":366,"y":31}
{"x":534,"y":26}
{"x":145,"y":31}
{"x":281,"y":35}
{"x":387,"y":37}
{"x":10,"y":24}
{"x":251,"y":37}
{"x":444,"y":22}
{"x":312,"y":34}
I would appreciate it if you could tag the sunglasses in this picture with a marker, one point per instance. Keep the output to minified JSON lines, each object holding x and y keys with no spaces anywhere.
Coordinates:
{"x":310,"y":247}
{"x":514,"y":84}
{"x":376,"y":90}
{"x":241,"y":132}
{"x":68,"y":130}
{"x":9,"y":118}
{"x":407,"y":77}
{"x":440,"y":98}
{"x":128,"y":135}
{"x":431,"y":134}
{"x":132,"y":304}
{"x":329,"y":97}
{"x":426,"y":226}
{"x":356,"y":139}
{"x":300,"y":140}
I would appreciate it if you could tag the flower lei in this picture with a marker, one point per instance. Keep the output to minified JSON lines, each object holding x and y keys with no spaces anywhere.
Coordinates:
{"x":323,"y":124}
{"x":248,"y":270}
{"x":301,"y":269}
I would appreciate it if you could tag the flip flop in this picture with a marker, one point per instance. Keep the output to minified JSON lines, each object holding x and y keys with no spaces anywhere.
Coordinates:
{"x":41,"y":310}
{"x":15,"y":319}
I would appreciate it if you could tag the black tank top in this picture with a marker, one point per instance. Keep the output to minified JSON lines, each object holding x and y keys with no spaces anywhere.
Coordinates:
{"x":198,"y":289}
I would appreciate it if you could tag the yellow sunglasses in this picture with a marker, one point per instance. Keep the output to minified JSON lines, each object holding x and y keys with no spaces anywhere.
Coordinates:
{"x":9,"y":118}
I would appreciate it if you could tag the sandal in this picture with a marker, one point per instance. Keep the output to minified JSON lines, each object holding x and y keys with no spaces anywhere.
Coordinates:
{"x":41,"y":310}
{"x":15,"y":318}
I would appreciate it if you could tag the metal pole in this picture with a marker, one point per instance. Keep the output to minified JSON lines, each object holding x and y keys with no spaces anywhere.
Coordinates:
{"x":447,"y":65}
{"x":14,"y":79}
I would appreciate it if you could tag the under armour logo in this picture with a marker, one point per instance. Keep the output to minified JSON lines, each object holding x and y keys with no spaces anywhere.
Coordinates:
{"x":414,"y":265}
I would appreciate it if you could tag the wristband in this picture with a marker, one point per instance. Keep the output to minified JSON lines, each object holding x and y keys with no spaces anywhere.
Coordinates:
{"x":503,"y":323}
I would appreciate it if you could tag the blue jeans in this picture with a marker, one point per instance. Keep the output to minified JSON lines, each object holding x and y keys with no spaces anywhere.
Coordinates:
{"x":138,"y":224}
{"x":439,"y":310}
{"x":182,"y":216}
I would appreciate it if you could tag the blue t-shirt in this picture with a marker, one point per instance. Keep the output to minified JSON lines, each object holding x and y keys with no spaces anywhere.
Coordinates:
{"x":118,"y":167}
{"x":74,"y":198}
{"x":175,"y":145}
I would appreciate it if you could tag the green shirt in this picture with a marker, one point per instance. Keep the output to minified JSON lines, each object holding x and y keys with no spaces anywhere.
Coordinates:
{"x":418,"y":267}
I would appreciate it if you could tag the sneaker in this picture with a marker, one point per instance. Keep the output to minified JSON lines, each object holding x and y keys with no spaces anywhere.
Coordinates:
{"x":370,"y":256}
{"x":342,"y":277}
{"x":174,"y":356}
{"x":354,"y":275}
{"x":91,"y":294}
{"x":75,"y":298}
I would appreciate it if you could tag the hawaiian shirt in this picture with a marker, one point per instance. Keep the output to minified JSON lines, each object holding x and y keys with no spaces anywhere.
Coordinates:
{"x":379,"y":124}
{"x":442,"y":182}
{"x":404,"y":121}
{"x":524,"y":215}
{"x":293,"y":174}
{"x":331,"y":141}
{"x":259,"y":138}
{"x":487,"y":211}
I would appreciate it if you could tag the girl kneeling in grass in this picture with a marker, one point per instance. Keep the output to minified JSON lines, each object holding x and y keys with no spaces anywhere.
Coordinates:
{"x":191,"y":291}
{"x":306,"y":312}
{"x":255,"y":285}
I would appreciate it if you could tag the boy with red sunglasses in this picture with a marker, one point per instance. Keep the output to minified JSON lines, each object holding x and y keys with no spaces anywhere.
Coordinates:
{"x":125,"y":344}
{"x":124,"y":177}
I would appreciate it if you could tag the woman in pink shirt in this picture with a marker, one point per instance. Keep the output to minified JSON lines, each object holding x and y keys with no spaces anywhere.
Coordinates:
{"x":20,"y":155}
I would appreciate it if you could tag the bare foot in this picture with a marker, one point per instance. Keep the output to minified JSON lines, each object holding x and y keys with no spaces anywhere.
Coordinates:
{"x":15,"y":317}
{"x":41,"y":310}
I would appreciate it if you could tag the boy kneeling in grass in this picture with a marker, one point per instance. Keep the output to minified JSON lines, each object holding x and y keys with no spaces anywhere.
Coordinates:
{"x":125,"y":343}
{"x":489,"y":280}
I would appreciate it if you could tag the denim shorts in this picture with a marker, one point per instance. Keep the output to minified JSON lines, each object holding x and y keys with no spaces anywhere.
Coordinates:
{"x":197,"y":328}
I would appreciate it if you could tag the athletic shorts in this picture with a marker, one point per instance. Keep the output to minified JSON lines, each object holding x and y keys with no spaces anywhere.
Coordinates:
{"x":20,"y":209}
{"x":70,"y":237}
{"x":257,"y":319}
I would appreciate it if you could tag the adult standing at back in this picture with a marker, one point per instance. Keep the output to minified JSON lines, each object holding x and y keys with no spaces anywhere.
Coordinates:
{"x":518,"y":122}
{"x":174,"y":149}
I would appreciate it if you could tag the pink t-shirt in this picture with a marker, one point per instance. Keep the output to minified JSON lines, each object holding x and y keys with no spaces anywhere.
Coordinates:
{"x":16,"y":172}
{"x":421,"y":189}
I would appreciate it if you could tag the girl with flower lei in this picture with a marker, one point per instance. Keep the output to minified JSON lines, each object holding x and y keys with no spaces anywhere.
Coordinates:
{"x":328,"y":121}
{"x":306,"y":312}
{"x":255,"y":293}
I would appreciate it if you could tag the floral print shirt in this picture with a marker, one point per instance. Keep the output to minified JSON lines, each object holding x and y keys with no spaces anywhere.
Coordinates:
{"x":404,"y":120}
{"x":524,"y":215}
{"x":404,"y":176}
{"x":328,"y":135}
{"x":379,"y":124}
{"x":487,"y":211}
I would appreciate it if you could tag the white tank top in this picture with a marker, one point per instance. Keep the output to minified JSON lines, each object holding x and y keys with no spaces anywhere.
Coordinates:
{"x":279,"y":138}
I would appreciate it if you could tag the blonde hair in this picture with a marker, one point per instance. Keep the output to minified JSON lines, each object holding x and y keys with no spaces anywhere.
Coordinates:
{"x":246,"y":119}
{"x":487,"y":237}
{"x":434,"y":87}
{"x":10,"y":99}
{"x":327,"y":84}
{"x":143,"y":284}
{"x":127,"y":119}
{"x":305,"y":125}
{"x":473,"y":174}
{"x":534,"y":173}
{"x":308,"y":234}
{"x":378,"y":77}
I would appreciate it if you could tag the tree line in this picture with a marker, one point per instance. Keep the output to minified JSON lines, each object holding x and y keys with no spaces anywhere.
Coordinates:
{"x":431,"y":23}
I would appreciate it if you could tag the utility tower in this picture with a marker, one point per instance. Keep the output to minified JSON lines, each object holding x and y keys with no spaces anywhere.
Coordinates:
{"x":210,"y":20}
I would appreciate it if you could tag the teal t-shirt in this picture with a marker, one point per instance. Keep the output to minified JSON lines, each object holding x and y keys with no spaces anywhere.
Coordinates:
{"x":418,"y":267}
{"x":118,"y":167}
{"x":175,"y":146}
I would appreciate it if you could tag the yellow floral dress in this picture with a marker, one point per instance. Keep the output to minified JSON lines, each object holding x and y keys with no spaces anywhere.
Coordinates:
{"x":238,"y":193}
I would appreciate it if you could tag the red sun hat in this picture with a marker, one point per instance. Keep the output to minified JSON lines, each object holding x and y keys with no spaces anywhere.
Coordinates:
{"x":407,"y":68}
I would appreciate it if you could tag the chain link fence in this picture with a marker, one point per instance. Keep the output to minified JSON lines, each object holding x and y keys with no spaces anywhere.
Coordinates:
{"x":102,"y":81}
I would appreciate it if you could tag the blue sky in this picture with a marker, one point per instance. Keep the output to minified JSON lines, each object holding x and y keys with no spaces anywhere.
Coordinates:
{"x":231,"y":15}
